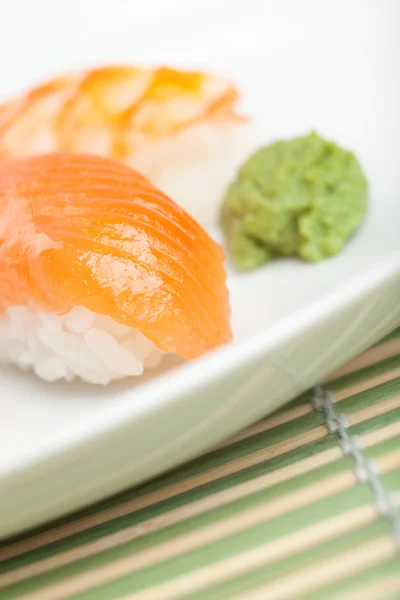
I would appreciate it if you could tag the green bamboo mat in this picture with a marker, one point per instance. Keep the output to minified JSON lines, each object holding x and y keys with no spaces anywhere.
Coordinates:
{"x":304,"y":504}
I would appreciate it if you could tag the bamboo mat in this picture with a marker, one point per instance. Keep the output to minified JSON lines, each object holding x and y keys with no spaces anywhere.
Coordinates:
{"x":304,"y":504}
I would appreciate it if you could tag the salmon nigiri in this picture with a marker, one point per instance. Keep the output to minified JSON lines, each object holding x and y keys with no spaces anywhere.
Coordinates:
{"x":100,"y":272}
{"x":180,"y":129}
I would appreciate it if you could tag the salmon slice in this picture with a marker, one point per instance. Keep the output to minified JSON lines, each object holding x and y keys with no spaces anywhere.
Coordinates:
{"x":80,"y":230}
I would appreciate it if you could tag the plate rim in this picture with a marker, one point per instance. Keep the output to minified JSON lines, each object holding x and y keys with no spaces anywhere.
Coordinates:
{"x":216,"y":364}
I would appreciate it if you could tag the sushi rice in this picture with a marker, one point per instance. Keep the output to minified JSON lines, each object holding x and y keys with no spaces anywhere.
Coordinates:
{"x":195,"y":166}
{"x":79,"y":344}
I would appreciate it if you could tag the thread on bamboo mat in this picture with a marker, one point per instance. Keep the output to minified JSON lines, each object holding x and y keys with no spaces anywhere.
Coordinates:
{"x":365,"y":469}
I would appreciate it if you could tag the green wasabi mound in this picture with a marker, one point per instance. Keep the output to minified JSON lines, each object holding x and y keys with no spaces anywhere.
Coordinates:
{"x":303,"y":197}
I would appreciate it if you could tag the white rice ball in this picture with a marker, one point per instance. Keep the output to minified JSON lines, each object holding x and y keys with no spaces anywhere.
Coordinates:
{"x":195,"y":165}
{"x":78,"y":344}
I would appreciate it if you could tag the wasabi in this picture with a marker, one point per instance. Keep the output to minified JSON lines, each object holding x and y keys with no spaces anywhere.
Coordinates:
{"x":303,"y":197}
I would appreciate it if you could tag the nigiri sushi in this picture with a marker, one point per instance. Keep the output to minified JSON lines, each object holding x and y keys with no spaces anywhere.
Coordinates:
{"x":180,"y":129}
{"x":101,"y":273}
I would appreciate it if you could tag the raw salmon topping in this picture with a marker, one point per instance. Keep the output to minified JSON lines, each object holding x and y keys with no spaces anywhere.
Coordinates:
{"x":79,"y":230}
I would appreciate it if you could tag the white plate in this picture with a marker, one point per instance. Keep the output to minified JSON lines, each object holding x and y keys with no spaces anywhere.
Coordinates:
{"x":333,"y":66}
